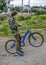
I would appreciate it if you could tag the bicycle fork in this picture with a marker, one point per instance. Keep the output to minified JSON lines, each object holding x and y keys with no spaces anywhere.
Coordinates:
{"x":33,"y":36}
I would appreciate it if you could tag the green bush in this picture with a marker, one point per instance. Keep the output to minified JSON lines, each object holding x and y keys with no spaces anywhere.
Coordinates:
{"x":0,"y":22}
{"x":3,"y":17}
{"x":27,"y":17}
{"x":16,"y":9}
{"x":5,"y":30}
{"x":43,"y":16}
{"x":23,"y":18}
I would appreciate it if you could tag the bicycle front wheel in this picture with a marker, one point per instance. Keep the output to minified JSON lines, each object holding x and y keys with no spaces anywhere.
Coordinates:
{"x":10,"y":46}
{"x":39,"y":39}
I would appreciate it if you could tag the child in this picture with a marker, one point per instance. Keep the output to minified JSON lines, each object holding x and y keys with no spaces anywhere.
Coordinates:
{"x":14,"y":30}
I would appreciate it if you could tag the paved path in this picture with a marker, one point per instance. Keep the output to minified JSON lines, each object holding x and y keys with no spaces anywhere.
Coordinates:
{"x":32,"y":56}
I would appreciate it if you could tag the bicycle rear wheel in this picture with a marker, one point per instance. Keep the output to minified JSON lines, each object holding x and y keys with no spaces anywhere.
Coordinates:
{"x":39,"y":39}
{"x":10,"y":46}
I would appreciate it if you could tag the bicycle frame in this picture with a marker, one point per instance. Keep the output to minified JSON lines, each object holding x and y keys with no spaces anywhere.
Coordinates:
{"x":25,"y":35}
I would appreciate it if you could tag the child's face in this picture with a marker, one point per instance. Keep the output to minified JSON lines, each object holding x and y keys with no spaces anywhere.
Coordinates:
{"x":14,"y":17}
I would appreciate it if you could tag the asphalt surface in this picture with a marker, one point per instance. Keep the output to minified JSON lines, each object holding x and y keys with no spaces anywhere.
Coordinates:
{"x":32,"y":55}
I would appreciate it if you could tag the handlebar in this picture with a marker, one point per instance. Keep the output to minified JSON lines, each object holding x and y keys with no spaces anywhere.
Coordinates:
{"x":24,"y":24}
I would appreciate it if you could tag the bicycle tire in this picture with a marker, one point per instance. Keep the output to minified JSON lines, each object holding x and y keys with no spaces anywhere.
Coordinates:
{"x":6,"y":47}
{"x":31,"y":43}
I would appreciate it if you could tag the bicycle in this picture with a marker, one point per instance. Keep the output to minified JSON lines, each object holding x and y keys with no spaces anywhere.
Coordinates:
{"x":35,"y":39}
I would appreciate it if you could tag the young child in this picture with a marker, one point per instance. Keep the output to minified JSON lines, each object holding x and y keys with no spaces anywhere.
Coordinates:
{"x":14,"y":30}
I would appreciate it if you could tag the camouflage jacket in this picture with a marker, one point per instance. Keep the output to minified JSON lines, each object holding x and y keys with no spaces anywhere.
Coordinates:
{"x":13,"y":26}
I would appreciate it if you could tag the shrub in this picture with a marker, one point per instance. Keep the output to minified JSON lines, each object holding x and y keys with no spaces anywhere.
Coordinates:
{"x":23,"y":17}
{"x":27,"y":17}
{"x":3,"y":17}
{"x":20,"y":18}
{"x":16,"y":9}
{"x":43,"y":16}
{"x":5,"y":30}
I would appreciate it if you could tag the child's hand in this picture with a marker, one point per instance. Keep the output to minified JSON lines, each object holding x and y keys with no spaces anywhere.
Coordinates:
{"x":20,"y":24}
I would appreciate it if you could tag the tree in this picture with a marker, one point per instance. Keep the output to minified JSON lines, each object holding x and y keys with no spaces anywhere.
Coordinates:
{"x":2,"y":5}
{"x":17,"y":8}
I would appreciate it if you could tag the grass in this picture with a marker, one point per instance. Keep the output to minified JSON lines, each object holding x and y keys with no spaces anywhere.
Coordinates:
{"x":33,"y":22}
